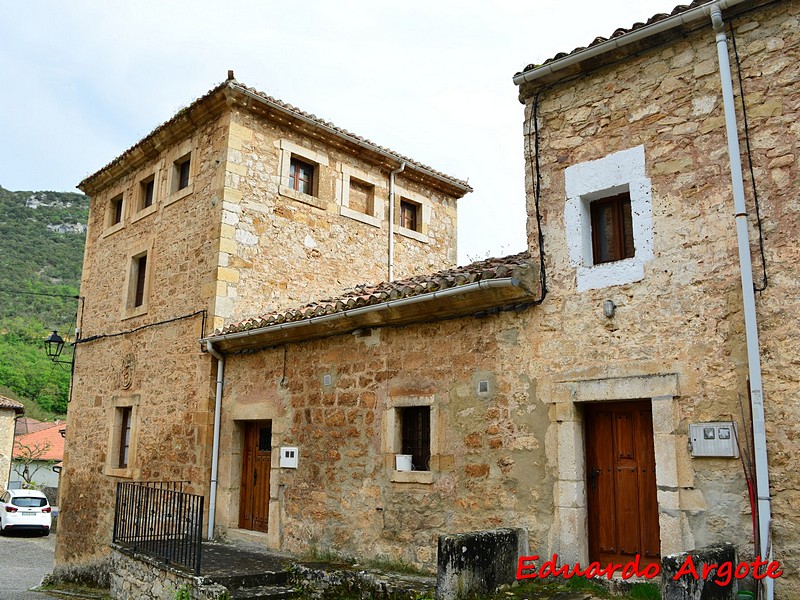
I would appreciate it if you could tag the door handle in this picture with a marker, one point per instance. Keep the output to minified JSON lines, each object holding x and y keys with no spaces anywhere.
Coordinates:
{"x":255,"y":476}
{"x":593,"y":475}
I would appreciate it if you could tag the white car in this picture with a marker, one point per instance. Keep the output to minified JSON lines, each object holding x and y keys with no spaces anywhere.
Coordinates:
{"x":25,"y":509}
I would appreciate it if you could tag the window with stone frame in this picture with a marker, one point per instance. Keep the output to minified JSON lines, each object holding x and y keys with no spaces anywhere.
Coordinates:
{"x":181,"y":175}
{"x":409,"y":214}
{"x":612,"y":228}
{"x":147,"y":192}
{"x":302,"y":176}
{"x":415,"y":434}
{"x":115,"y":208}
{"x":124,"y":434}
{"x":361,"y":197}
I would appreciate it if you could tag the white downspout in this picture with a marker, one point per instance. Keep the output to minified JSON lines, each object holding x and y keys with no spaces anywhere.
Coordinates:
{"x":212,"y":495}
{"x":749,"y":301}
{"x":391,"y":220}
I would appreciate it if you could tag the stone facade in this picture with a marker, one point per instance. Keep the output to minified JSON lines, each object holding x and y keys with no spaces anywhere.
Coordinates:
{"x":188,"y":230}
{"x":677,"y":336}
{"x":510,"y":382}
{"x":9,"y":409}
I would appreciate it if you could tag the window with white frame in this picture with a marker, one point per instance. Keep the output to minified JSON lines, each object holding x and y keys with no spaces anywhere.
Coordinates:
{"x":609,"y":219}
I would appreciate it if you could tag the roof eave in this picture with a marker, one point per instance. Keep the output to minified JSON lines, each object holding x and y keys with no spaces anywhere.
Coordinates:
{"x":465,"y":300}
{"x":554,"y":70}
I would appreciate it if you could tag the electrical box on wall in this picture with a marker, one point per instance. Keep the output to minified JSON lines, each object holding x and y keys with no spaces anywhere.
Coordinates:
{"x":714,"y":439}
{"x":289,"y":457}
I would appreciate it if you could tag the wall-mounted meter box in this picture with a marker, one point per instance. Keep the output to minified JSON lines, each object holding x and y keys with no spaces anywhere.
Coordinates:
{"x":289,"y":457}
{"x":714,"y":439}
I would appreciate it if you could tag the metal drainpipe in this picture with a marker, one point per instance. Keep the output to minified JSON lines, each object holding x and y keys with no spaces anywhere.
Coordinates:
{"x":212,"y":495}
{"x":748,"y":298}
{"x":391,"y":219}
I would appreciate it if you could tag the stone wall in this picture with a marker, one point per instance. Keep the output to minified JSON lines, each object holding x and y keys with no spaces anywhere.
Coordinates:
{"x":684,"y":316}
{"x":159,"y":372}
{"x":138,"y":577}
{"x":488,"y":463}
{"x":7,"y":417}
{"x":282,"y":249}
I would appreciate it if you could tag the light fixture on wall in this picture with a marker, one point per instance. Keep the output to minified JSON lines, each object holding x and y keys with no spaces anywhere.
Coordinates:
{"x":609,"y":308}
{"x":53,"y":345}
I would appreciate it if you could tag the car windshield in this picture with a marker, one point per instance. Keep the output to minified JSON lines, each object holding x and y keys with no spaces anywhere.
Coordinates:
{"x":28,"y":501}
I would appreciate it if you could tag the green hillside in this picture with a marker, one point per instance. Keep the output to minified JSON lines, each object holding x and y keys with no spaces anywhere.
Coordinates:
{"x":42,"y":235}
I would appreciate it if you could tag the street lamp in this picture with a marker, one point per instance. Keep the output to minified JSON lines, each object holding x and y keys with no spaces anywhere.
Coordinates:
{"x":53,"y":345}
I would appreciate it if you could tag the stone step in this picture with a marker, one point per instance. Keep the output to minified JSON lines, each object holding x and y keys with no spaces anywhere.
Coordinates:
{"x":264,"y":592}
{"x":264,"y":578}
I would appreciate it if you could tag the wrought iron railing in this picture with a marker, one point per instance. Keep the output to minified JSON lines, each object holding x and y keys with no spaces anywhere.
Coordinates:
{"x":159,"y":519}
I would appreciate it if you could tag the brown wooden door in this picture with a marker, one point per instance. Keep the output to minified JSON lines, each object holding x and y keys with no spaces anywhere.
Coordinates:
{"x":256,"y":458}
{"x":621,"y":483}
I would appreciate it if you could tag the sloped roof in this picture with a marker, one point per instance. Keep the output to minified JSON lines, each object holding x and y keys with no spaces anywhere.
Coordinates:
{"x":681,"y":8}
{"x":49,"y":438}
{"x":13,"y":404}
{"x":25,"y":425}
{"x":517,"y":266}
{"x":231,"y":87}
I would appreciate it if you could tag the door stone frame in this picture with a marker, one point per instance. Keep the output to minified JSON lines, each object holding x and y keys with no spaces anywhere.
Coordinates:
{"x":568,"y":536}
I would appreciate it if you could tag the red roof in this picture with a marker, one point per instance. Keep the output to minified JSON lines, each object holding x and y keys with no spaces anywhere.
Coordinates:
{"x":26,"y":425}
{"x":49,"y":438}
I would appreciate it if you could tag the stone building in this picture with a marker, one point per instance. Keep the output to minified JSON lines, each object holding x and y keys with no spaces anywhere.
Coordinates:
{"x":238,"y":203}
{"x":593,"y":390}
{"x":9,"y":410}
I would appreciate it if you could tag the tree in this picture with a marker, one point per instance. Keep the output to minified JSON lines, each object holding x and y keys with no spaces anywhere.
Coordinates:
{"x":28,"y":460}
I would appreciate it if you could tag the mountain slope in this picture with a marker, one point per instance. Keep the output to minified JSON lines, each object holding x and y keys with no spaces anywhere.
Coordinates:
{"x":42,"y":235}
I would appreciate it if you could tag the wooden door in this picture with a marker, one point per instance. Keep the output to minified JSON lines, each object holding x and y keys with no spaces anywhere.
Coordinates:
{"x":254,"y":493}
{"x":621,"y":483}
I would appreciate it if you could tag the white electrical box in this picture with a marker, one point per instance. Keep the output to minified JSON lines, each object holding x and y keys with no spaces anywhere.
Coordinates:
{"x":289,"y":458}
{"x":714,"y":439}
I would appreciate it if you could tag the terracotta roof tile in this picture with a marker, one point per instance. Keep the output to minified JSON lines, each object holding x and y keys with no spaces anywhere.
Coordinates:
{"x":369,"y":294}
{"x":236,"y":86}
{"x":49,"y":438}
{"x":681,"y":8}
{"x":18,"y":407}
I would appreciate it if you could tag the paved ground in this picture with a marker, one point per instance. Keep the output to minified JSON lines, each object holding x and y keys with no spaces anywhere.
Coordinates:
{"x":25,"y":558}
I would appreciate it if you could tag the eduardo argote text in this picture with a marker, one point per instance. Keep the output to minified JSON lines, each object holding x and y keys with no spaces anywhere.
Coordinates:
{"x":721,"y":574}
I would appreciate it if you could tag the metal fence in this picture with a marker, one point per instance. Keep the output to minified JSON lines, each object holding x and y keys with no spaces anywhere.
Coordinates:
{"x":160,"y":519}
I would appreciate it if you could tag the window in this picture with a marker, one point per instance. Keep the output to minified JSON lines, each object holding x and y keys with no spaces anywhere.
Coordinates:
{"x":608,"y":217}
{"x":183,"y":174}
{"x":409,"y":215}
{"x":125,"y":413}
{"x":146,"y":192}
{"x":301,"y":176}
{"x":362,"y":197}
{"x":115,"y":210}
{"x":140,"y":268}
{"x":415,"y":423}
{"x":122,"y":433}
{"x":612,"y":229}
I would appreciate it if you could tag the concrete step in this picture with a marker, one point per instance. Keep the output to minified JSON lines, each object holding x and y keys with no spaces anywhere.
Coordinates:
{"x":264,"y":592}
{"x":247,"y":580}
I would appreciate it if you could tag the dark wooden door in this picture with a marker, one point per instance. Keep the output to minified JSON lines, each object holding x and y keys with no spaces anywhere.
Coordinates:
{"x":256,"y":458}
{"x":621,"y":483}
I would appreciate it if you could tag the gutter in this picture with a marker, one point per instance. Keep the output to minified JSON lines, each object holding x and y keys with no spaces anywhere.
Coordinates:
{"x":400,"y":169}
{"x":212,"y":494}
{"x":636,"y":35}
{"x":748,"y":300}
{"x":503,"y":282}
{"x":361,"y":144}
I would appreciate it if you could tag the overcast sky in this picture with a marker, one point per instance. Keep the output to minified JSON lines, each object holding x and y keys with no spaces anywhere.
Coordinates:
{"x":83,"y":81}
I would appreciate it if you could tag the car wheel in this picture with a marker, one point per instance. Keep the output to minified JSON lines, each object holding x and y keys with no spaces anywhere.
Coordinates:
{"x":46,"y":532}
